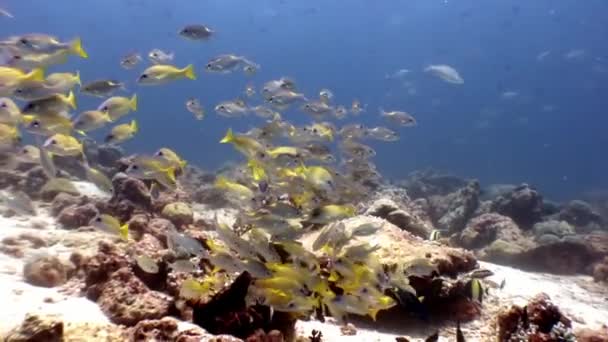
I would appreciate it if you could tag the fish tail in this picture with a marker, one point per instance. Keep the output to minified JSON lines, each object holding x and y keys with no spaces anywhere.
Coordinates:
{"x":77,"y":78}
{"x":221,"y":182}
{"x":189,"y":72}
{"x":34,"y":75}
{"x":171,"y":174}
{"x":123,"y":231}
{"x":228,"y":138}
{"x":71,"y":100}
{"x":182,"y":163}
{"x":133,"y":102}
{"x":134,"y":127}
{"x":77,"y":49}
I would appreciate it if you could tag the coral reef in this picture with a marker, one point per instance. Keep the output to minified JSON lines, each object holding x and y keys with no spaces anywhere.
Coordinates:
{"x":47,"y":271}
{"x":36,"y":328}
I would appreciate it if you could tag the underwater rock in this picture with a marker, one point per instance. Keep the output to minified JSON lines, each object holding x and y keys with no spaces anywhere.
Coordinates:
{"x":579,"y":214}
{"x":211,"y":196}
{"x":600,"y":270}
{"x":9,"y":179}
{"x":165,"y":329}
{"x":138,"y":225}
{"x":75,"y":216}
{"x":227,"y":313}
{"x":553,"y":227}
{"x":158,"y":227}
{"x":483,"y":230}
{"x":33,"y":181}
{"x":424,"y":184}
{"x":568,"y":256}
{"x":490,"y":192}
{"x":37,"y":328}
{"x":130,"y":189}
{"x":261,"y":336}
{"x":126,"y":300}
{"x":523,"y":204}
{"x":63,"y":200}
{"x":451,"y":212}
{"x":98,"y":268}
{"x":590,"y":335}
{"x":179,"y":213}
{"x":540,"y":320}
{"x":390,"y":211}
{"x":46,"y":271}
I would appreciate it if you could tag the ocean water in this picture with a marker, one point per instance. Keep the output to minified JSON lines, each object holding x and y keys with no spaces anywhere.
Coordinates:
{"x":551,"y":134}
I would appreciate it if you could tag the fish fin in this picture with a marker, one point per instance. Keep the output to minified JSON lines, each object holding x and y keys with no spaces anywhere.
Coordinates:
{"x":182,"y":163}
{"x":81,"y":132}
{"x":189,"y":72}
{"x":35,"y":75}
{"x":171,"y":174}
{"x":77,"y":78}
{"x":124,"y":231}
{"x":373,"y":313}
{"x":133,"y":102}
{"x":228,"y":138}
{"x":134,"y":126}
{"x":71,"y":99}
{"x":76,"y":48}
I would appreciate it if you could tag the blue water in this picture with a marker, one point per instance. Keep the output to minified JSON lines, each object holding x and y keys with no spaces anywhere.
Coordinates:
{"x":349,"y":47}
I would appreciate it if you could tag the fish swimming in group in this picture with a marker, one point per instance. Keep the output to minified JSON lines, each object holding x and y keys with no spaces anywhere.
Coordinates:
{"x":131,"y":60}
{"x":193,"y":105}
{"x":158,"y":56}
{"x":122,"y":133}
{"x":110,"y":224}
{"x":161,"y":74}
{"x":101,"y":88}
{"x":445,"y":73}
{"x":196,"y":32}
{"x":399,"y":117}
{"x":232,"y":108}
{"x":118,"y":106}
{"x":227,"y":63}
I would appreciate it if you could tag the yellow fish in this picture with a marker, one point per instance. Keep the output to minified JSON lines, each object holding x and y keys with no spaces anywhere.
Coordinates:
{"x":235,"y":188}
{"x":63,"y":145}
{"x":118,"y":106}
{"x":170,"y":156}
{"x":162,"y":73}
{"x":246,"y":145}
{"x":122,"y":133}
{"x":111,"y":225}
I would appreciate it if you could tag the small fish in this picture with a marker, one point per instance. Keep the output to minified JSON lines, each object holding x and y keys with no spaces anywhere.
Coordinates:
{"x":9,"y":136}
{"x":382,"y":133}
{"x":158,"y":56}
{"x":399,"y":74}
{"x":246,"y":145}
{"x":118,"y":106}
{"x":9,"y":112}
{"x":356,"y":108}
{"x":249,"y":90}
{"x":19,"y":202}
{"x":57,"y":184}
{"x":326,"y":96}
{"x":161,"y":74}
{"x":433,"y":338}
{"x":286,"y":97}
{"x":147,"y":264}
{"x":196,"y":32}
{"x":331,"y":212}
{"x":184,"y":244}
{"x":398,"y":117}
{"x":63,"y":82}
{"x":184,"y":266}
{"x":475,"y":289}
{"x":263,"y":111}
{"x":240,"y":191}
{"x":38,"y":43}
{"x":357,"y":150}
{"x":459,"y":334}
{"x":227,"y":63}
{"x":110,"y":224}
{"x":316,"y":108}
{"x":47,"y":125}
{"x":130,"y":61}
{"x":445,"y":73}
{"x":122,"y":133}
{"x":352,"y":131}
{"x":29,"y":154}
{"x":57,"y":103}
{"x":171,"y":157}
{"x":46,"y":161}
{"x":271,"y":87}
{"x":435,"y":235}
{"x":34,"y":90}
{"x":340,"y":112}
{"x":420,"y":267}
{"x":63,"y":145}
{"x":91,"y":120}
{"x":145,"y":167}
{"x":98,"y":178}
{"x":10,"y":78}
{"x":194,"y":106}
{"x":101,"y":88}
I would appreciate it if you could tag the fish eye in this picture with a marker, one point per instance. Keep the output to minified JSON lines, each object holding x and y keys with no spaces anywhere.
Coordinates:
{"x":144,"y":76}
{"x":35,"y":124}
{"x":154,"y":54}
{"x":314,"y":130}
{"x":23,"y":41}
{"x":291,"y":305}
{"x":135,"y":167}
{"x":3,"y":105}
{"x":53,"y":142}
{"x":159,"y":153}
{"x":222,"y":107}
{"x":18,"y":91}
{"x":209,"y":66}
{"x":98,"y":219}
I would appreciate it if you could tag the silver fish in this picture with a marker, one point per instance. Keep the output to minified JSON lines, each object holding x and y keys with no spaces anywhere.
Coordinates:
{"x":158,"y":56}
{"x":196,"y":32}
{"x":233,"y":108}
{"x":194,"y":106}
{"x":227,"y":63}
{"x":130,"y":60}
{"x":382,"y":133}
{"x":398,"y":117}
{"x":101,"y":88}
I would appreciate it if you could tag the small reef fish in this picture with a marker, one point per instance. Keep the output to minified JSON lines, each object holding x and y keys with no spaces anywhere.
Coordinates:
{"x":147,"y":264}
{"x":196,"y":32}
{"x":227,"y":63}
{"x":161,"y":74}
{"x":63,"y":145}
{"x":110,"y":224}
{"x":91,"y":120}
{"x":101,"y":88}
{"x":445,"y":73}
{"x":398,"y":117}
{"x":194,"y":106}
{"x":326,"y":96}
{"x":57,"y":103}
{"x":158,"y":56}
{"x":131,"y":60}
{"x":39,"y":43}
{"x":233,"y":108}
{"x":122,"y":133}
{"x":118,"y":106}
